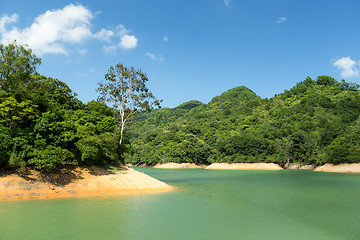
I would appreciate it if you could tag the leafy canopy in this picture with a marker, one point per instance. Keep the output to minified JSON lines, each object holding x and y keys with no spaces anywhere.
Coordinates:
{"x":17,"y":64}
{"x":42,"y":123}
{"x":125,"y":88}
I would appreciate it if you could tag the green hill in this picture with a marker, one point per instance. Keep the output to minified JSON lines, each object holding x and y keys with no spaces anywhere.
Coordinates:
{"x":234,"y":95}
{"x":190,"y":104}
{"x":305,"y":124}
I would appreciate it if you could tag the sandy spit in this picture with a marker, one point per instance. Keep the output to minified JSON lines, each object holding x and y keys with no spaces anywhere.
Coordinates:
{"x":244,"y":166}
{"x":299,"y":166}
{"x":178,"y":165}
{"x":353,"y":167}
{"x":129,"y":181}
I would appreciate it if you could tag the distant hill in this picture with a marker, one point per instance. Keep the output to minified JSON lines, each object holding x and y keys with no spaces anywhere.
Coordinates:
{"x":309,"y":124}
{"x":190,"y":104}
{"x":235,"y":95}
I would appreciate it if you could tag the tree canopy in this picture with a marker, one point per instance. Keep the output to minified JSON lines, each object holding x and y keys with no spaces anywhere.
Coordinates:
{"x":17,"y":64}
{"x":125,"y":88}
{"x":42,"y":123}
{"x":44,"y":126}
{"x":314,"y":122}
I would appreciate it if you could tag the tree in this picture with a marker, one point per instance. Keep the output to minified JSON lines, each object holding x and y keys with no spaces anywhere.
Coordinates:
{"x":50,"y":93}
{"x":13,"y":113}
{"x":17,"y":64}
{"x":325,"y":80}
{"x":126,"y":90}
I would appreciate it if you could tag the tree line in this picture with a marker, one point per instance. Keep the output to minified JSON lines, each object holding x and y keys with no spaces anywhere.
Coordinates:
{"x":315,"y":122}
{"x":43,"y":125}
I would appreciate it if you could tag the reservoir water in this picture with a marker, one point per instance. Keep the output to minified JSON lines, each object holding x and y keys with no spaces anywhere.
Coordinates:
{"x":207,"y":204}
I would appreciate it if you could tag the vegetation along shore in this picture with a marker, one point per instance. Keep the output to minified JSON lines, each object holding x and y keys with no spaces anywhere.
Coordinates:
{"x":44,"y":127}
{"x":314,"y":123}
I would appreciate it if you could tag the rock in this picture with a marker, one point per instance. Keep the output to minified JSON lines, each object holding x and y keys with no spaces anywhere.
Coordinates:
{"x":299,"y":166}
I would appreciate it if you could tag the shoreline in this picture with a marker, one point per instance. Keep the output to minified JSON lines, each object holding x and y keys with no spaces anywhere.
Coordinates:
{"x":172,"y":165}
{"x":125,"y":182}
{"x":244,"y":166}
{"x":341,"y":168}
{"x":221,"y":166}
{"x":296,"y":166}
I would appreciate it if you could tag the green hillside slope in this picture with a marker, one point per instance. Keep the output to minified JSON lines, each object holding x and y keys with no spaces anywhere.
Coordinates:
{"x":311,"y":123}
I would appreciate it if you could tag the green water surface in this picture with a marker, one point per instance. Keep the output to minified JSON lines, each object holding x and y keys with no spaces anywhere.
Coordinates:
{"x":207,"y":204}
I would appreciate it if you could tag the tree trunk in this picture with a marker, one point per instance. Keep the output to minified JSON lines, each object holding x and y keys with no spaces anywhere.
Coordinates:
{"x":121,"y":133}
{"x":122,"y":128}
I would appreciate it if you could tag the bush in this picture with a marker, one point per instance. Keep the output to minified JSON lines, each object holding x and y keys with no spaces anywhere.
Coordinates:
{"x":51,"y":158}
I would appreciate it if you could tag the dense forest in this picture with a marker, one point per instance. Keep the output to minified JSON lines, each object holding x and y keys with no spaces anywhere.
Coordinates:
{"x":44,"y":126}
{"x":42,"y":123}
{"x":315,"y":122}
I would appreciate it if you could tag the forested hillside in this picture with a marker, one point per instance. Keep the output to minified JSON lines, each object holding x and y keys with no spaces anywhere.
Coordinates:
{"x":42,"y":123}
{"x":44,"y":126}
{"x":315,"y":122}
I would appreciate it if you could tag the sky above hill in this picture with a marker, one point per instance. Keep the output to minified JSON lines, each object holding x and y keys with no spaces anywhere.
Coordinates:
{"x":191,"y":50}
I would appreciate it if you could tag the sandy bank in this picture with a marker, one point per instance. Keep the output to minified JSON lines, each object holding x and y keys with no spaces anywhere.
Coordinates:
{"x":178,"y":165}
{"x":244,"y":166}
{"x":354,"y":167}
{"x":126,"y":181}
{"x":299,"y":166}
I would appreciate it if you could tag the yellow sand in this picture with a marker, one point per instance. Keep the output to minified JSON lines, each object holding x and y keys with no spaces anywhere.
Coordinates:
{"x":244,"y":166}
{"x":178,"y":165}
{"x":127,"y":181}
{"x":354,"y":167}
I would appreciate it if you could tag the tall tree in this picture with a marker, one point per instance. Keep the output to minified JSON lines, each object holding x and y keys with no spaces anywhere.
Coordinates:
{"x":17,"y":64}
{"x":125,"y":88}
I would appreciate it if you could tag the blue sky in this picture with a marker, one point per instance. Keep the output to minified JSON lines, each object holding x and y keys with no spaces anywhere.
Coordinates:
{"x":191,"y":50}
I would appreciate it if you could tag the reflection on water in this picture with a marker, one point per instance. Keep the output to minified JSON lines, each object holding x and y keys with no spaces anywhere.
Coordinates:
{"x":207,"y":204}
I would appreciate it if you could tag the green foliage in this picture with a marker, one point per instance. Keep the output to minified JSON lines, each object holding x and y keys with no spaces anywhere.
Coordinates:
{"x":13,"y":113}
{"x":51,"y":157}
{"x":99,"y":107}
{"x":235,"y":95}
{"x":49,"y":93}
{"x":53,"y":129}
{"x":190,"y":104}
{"x":17,"y":64}
{"x":325,"y":80}
{"x":309,"y":124}
{"x":42,"y":123}
{"x":5,"y":145}
{"x":345,"y":147}
{"x":125,"y":88}
{"x":89,"y":148}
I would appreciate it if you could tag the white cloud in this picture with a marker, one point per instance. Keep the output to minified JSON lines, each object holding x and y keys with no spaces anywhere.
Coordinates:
{"x":128,"y":42}
{"x":166,"y":38}
{"x":104,"y":35}
{"x":347,"y":67}
{"x":56,"y":30}
{"x":51,"y":30}
{"x":281,"y":19}
{"x":227,"y":3}
{"x":111,"y":50}
{"x":157,"y":58}
{"x":7,"y":20}
{"x":121,"y":30}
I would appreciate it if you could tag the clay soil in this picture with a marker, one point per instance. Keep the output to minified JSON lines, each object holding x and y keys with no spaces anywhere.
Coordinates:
{"x":77,"y":183}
